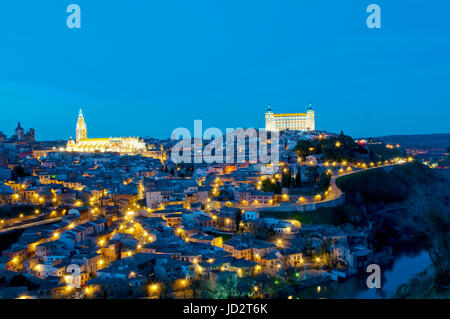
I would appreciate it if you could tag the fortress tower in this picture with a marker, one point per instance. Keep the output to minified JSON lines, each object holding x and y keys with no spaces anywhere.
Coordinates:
{"x":269,"y":119}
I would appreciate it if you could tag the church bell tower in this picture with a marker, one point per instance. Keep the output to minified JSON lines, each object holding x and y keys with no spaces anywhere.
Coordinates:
{"x":81,"y":132}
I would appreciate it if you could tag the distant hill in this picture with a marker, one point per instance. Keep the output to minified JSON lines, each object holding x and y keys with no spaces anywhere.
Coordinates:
{"x":423,"y":141}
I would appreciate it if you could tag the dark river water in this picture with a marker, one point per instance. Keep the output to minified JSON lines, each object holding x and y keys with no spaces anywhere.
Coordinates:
{"x":404,"y":267}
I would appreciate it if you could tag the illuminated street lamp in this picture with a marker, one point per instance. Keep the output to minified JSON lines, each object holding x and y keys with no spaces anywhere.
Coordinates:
{"x":279,"y":242}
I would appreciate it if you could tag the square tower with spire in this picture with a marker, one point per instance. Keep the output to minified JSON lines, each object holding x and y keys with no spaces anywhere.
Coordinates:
{"x":81,"y":131}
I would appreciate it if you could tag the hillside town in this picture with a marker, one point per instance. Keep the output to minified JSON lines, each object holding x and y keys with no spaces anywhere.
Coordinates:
{"x":132,"y":223}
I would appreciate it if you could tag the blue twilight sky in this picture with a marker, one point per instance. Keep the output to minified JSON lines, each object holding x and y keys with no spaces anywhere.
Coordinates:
{"x":145,"y":67}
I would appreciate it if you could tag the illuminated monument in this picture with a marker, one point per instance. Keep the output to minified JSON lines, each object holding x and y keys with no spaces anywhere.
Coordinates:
{"x":81,"y":128}
{"x":127,"y":145}
{"x":290,"y":121}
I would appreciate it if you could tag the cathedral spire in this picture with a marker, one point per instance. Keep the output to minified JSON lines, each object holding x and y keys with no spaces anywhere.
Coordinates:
{"x":81,"y":131}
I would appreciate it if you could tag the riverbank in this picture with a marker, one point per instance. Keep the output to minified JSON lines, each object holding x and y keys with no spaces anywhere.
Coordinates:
{"x":402,"y":269}
{"x":405,"y":210}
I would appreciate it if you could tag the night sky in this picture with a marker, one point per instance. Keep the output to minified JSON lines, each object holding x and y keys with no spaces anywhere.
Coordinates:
{"x":143,"y":68}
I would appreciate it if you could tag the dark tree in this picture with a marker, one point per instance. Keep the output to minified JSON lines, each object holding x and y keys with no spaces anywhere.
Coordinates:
{"x":324,"y":181}
{"x":285,"y":180}
{"x":18,"y":172}
{"x":268,"y":186}
{"x":238,"y":219}
{"x":298,"y":177}
{"x":303,"y":148}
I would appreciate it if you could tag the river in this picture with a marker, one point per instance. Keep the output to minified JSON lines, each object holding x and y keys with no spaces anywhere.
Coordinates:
{"x":404,"y":267}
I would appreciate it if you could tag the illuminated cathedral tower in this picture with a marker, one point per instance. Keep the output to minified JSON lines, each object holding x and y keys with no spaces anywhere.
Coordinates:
{"x":81,"y":128}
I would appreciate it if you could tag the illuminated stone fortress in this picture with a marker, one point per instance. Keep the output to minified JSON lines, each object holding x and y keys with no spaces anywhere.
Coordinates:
{"x":127,"y":145}
{"x":290,"y":121}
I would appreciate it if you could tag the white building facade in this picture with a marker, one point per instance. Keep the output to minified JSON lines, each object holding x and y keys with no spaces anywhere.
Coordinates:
{"x":290,"y":121}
